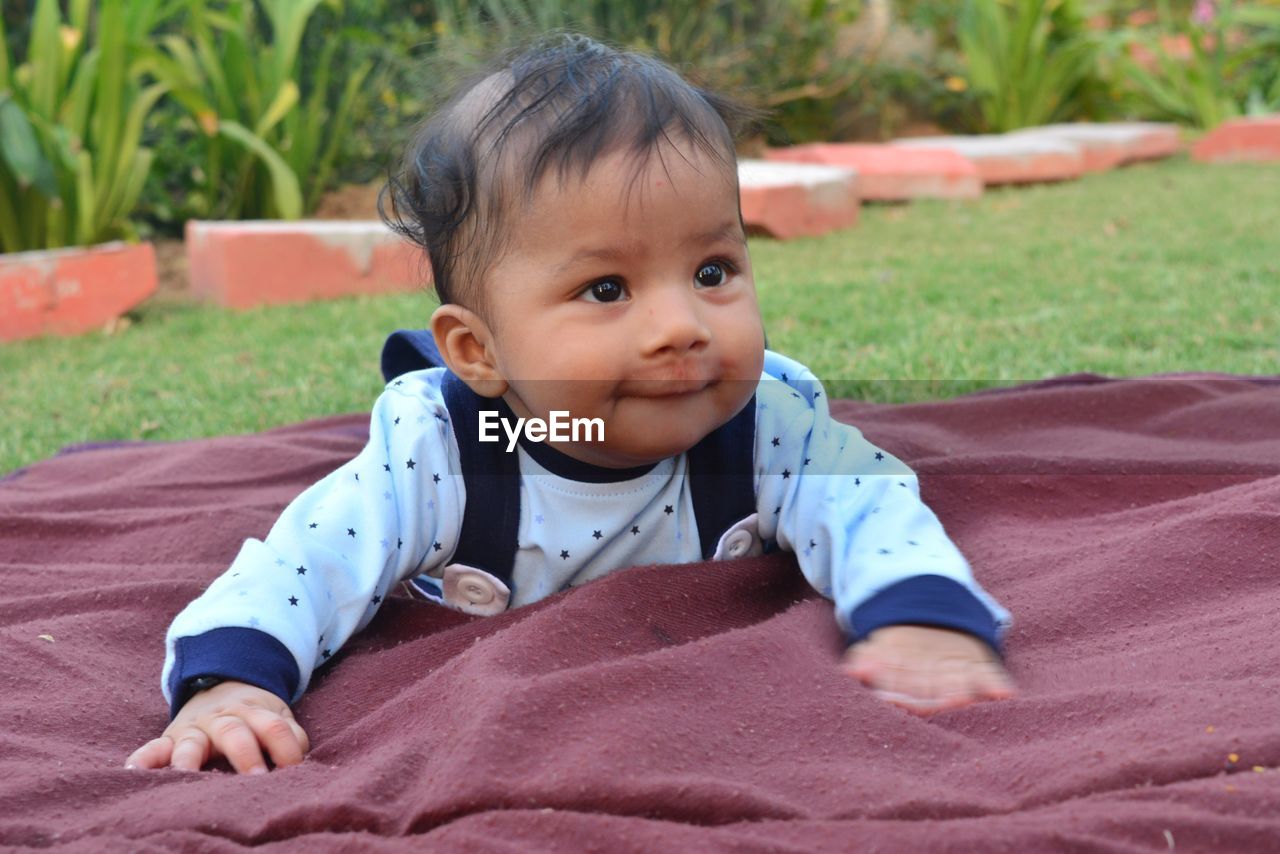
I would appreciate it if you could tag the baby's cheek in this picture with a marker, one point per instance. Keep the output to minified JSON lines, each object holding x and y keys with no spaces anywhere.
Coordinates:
{"x":746,"y":349}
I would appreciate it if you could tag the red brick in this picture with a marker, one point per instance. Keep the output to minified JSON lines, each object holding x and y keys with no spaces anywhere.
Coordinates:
{"x":888,"y":173}
{"x":787,"y":200}
{"x":72,"y":291}
{"x":1008,"y":159}
{"x":1111,"y":144}
{"x":1155,"y":141}
{"x":1240,"y":140}
{"x":246,"y":264}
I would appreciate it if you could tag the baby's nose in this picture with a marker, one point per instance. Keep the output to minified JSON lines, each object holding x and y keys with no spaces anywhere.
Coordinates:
{"x":676,"y":322}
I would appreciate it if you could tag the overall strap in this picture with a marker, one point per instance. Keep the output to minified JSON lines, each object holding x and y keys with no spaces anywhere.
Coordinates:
{"x":491,"y":517}
{"x":720,"y":477}
{"x":408,"y":350}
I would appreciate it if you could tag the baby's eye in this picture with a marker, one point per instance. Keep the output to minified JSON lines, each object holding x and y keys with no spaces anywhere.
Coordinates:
{"x":711,"y":275}
{"x":606,"y":290}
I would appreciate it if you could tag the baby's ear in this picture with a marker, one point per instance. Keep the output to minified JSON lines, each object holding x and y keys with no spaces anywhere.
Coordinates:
{"x":464,"y":342}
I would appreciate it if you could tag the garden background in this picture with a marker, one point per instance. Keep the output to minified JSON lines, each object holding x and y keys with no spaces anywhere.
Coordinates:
{"x":125,"y":120}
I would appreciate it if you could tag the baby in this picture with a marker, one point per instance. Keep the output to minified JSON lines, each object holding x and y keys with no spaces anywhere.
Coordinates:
{"x":579,"y":207}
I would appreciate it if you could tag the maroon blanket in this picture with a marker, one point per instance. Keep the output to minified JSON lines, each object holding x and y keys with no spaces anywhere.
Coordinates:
{"x":1133,"y":528}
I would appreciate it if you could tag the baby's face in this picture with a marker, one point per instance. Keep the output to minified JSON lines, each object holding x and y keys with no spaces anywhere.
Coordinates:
{"x":629,"y":298}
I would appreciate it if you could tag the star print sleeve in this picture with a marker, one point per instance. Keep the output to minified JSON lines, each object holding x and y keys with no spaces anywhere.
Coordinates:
{"x":289,"y":602}
{"x":852,"y":514}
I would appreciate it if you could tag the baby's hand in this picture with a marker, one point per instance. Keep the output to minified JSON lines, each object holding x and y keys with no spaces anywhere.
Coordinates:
{"x":231,"y":719}
{"x":926,"y":670}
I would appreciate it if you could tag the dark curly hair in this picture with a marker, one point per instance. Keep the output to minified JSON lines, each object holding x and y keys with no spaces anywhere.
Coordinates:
{"x":563,"y":103}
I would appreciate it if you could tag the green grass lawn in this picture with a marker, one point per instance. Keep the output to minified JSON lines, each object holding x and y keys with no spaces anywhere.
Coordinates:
{"x":1166,"y":267}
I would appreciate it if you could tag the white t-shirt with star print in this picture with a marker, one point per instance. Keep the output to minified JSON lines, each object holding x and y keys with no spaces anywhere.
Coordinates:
{"x":849,"y":511}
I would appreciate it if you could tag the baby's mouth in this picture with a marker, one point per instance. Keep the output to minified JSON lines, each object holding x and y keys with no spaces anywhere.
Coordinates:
{"x":659,"y":388}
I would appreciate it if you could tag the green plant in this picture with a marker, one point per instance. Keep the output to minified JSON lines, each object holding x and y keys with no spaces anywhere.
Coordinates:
{"x":1028,"y":61}
{"x":71,"y":120}
{"x":268,"y":149}
{"x":1204,"y":68}
{"x":784,"y":57}
{"x":1263,"y":24}
{"x":394,"y":36}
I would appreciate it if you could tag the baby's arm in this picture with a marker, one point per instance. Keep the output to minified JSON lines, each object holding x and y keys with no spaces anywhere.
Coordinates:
{"x":231,"y":719}
{"x":287,"y":604}
{"x":924,"y":633}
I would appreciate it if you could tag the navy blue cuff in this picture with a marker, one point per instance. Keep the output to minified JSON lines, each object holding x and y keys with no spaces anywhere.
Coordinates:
{"x":925,"y":600}
{"x":245,"y":655}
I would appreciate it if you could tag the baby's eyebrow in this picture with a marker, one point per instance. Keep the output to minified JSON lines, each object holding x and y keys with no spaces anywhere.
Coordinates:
{"x":607,"y":254}
{"x":731,"y":230}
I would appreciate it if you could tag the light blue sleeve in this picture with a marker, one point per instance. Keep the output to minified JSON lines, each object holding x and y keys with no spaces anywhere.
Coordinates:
{"x":338,"y":549}
{"x":851,"y":512}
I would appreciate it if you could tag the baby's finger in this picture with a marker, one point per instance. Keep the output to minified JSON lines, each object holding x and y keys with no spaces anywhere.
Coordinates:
{"x":992,"y":682}
{"x":915,"y":705}
{"x":925,"y":688}
{"x":888,"y":677}
{"x":154,"y":754}
{"x":190,"y":749}
{"x":284,"y":739}
{"x":909,"y":678}
{"x":947,"y":687}
{"x":234,"y":739}
{"x":303,"y":738}
{"x":857,"y":662}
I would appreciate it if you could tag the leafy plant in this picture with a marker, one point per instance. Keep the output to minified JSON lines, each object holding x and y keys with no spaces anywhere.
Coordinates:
{"x":268,"y":150}
{"x":1028,"y":61}
{"x":783,"y":56}
{"x":1229,"y":64}
{"x":394,"y":37}
{"x":71,"y":120}
{"x":1263,"y":26}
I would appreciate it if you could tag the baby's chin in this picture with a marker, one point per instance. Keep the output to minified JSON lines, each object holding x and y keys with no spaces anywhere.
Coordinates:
{"x":641,"y":430}
{"x":648,"y":446}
